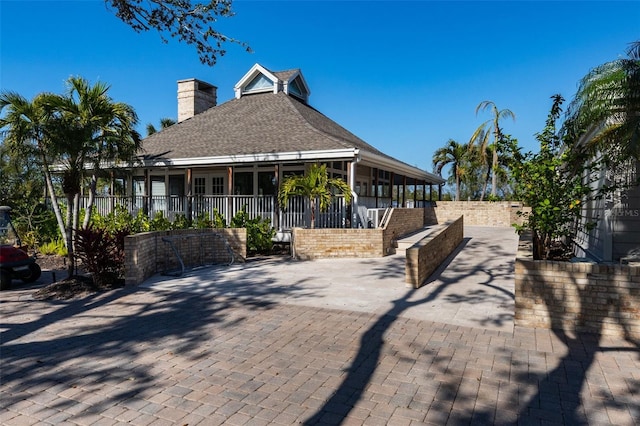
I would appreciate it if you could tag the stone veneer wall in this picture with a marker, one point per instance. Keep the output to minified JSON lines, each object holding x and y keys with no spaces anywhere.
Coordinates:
{"x":146,"y":254}
{"x":401,"y":222}
{"x":323,"y":243}
{"x":478,"y":213}
{"x":576,"y":297}
{"x":425,"y":256}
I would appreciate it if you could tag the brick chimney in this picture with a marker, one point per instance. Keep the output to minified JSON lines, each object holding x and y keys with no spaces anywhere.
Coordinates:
{"x":194,"y":97}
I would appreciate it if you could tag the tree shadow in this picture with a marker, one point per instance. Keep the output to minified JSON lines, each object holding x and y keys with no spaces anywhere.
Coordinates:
{"x":172,"y":325}
{"x":555,"y":396}
{"x":336,"y":409}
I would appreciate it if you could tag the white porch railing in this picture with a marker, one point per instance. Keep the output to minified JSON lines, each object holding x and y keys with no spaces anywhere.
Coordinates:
{"x":297,"y":213}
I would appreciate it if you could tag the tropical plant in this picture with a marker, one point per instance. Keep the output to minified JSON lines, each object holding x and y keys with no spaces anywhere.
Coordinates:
{"x":53,"y":247}
{"x":453,"y":154}
{"x":481,"y":136}
{"x":316,"y":186}
{"x":98,"y":129}
{"x":552,"y":183}
{"x":164,"y":123}
{"x":102,"y":254}
{"x":28,"y":127}
{"x":605,"y":111}
{"x":89,"y":129}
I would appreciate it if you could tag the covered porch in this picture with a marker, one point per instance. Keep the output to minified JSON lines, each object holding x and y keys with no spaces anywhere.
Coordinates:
{"x":226,"y":189}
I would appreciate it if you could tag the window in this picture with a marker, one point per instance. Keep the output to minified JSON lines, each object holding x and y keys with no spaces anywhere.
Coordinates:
{"x":138,"y":186}
{"x":200,"y":186}
{"x":295,"y":88}
{"x":243,"y":183}
{"x":157,"y":186}
{"x":176,"y":185}
{"x":258,"y":84}
{"x":266,"y":183}
{"x":217,"y":185}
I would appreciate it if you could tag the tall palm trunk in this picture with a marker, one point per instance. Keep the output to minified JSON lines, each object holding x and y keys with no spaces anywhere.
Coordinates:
{"x":494,"y":167}
{"x":92,"y":196}
{"x":69,"y":233}
{"x":53,"y":198}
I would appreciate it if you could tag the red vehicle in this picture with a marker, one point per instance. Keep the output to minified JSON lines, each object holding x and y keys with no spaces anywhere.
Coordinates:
{"x":14,"y":262}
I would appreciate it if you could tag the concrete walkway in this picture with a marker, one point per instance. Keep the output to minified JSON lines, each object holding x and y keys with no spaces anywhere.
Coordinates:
{"x":310,"y":343}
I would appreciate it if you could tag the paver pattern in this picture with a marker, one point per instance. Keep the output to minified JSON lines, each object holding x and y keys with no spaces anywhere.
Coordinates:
{"x":168,"y":357}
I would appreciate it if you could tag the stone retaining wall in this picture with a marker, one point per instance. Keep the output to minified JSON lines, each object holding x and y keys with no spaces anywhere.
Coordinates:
{"x":146,"y":254}
{"x":424,"y":257}
{"x":326,"y":243}
{"x":401,"y":222}
{"x":478,"y":213}
{"x":576,"y":297}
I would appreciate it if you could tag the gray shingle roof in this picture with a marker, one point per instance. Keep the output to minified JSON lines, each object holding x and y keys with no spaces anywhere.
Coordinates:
{"x":285,"y":75}
{"x":260,"y":123}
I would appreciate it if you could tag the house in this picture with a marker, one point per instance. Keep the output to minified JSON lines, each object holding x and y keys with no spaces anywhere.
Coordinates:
{"x":614,"y":233}
{"x":233,"y":155}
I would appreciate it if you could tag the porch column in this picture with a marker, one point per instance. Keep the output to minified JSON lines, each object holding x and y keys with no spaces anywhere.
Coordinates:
{"x":375,"y":185}
{"x":112,"y":192}
{"x":227,"y":214}
{"x":189,"y":203}
{"x":440,"y":192}
{"x":424,"y":193}
{"x":430,"y":192}
{"x":415,"y":194}
{"x":351,"y":174}
{"x":276,"y":206}
{"x":147,"y":192}
{"x":392,"y":178}
{"x":404,"y":191}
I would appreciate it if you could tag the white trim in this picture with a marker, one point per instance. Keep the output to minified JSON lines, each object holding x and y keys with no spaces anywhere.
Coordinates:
{"x":305,"y":156}
{"x":302,"y":156}
{"x":250,"y":75}
{"x":397,"y":166}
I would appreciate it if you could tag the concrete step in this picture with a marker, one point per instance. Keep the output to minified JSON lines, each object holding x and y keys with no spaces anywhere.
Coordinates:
{"x":407,"y":241}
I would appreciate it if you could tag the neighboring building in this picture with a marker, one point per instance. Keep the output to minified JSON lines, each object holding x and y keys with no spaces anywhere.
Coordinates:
{"x":616,"y":234}
{"x":235,"y":154}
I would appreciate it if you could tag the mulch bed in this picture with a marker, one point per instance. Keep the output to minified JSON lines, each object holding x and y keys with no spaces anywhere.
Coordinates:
{"x":76,"y":286}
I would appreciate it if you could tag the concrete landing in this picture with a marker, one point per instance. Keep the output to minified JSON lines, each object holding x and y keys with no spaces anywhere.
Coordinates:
{"x":407,"y":241}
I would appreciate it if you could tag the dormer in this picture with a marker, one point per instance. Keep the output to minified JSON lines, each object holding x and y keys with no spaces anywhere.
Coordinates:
{"x":261,"y":80}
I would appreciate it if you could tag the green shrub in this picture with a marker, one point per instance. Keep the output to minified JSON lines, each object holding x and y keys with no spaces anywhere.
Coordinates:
{"x":203,"y":221}
{"x":55,"y":247}
{"x":260,"y":233}
{"x":159,"y":223}
{"x":181,"y":222}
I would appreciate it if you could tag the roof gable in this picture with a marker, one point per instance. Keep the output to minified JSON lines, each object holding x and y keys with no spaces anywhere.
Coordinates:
{"x":261,"y":80}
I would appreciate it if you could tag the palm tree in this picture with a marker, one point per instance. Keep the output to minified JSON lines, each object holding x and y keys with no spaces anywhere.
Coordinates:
{"x":164,"y":123}
{"x":316,"y":186}
{"x":91,"y":130}
{"x":454,"y":154}
{"x":606,"y":107}
{"x":29,"y":127}
{"x":481,"y":133}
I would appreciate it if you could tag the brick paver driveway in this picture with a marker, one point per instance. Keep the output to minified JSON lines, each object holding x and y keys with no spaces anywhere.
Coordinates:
{"x":156,"y":356}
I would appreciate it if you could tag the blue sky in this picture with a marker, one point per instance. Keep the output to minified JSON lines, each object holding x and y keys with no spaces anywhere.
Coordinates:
{"x":403,"y":76}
